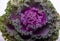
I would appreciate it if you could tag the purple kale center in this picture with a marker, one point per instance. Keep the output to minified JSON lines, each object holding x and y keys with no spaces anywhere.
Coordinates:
{"x":32,"y":18}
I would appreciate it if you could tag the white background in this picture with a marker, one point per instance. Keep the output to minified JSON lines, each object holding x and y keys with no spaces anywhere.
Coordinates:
{"x":3,"y":4}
